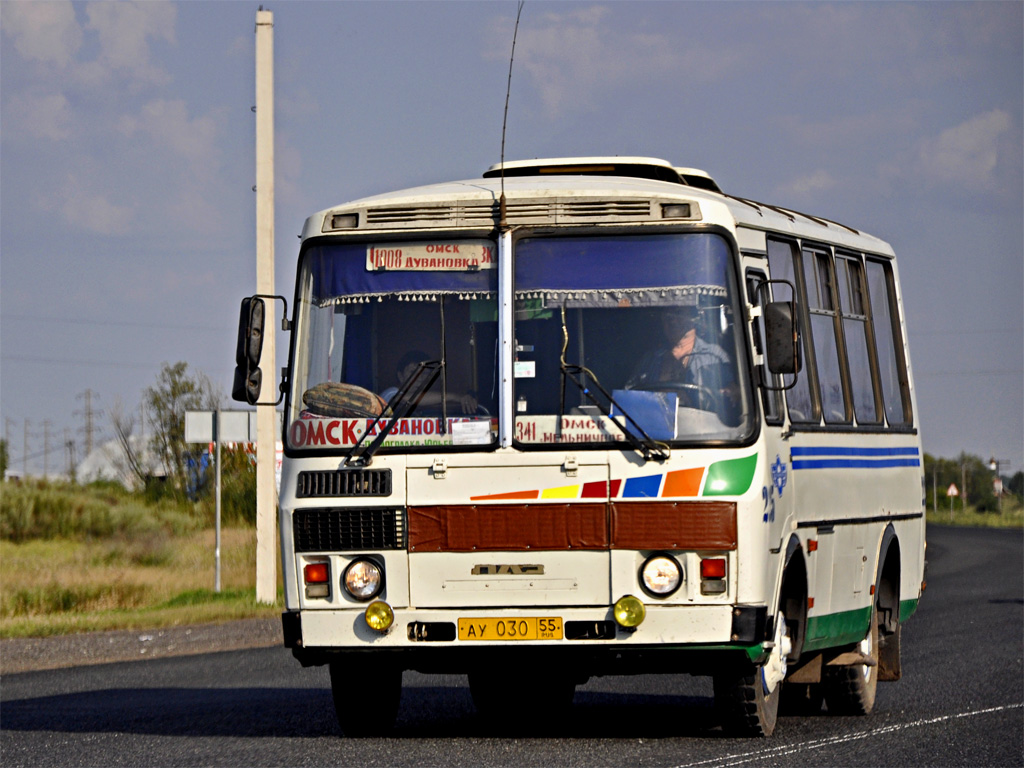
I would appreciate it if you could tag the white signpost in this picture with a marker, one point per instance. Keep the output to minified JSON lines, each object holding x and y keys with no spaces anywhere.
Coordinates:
{"x":952,"y":492}
{"x":219,"y":427}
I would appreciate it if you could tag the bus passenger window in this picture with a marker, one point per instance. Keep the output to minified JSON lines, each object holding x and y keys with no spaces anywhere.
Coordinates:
{"x":891,"y":366}
{"x":855,"y":329}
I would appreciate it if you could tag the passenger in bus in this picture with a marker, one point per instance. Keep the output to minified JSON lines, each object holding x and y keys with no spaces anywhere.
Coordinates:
{"x":700,"y":371}
{"x":404,"y":370}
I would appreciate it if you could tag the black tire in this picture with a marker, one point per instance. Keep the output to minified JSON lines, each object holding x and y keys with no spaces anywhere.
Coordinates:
{"x":851,"y":690}
{"x":748,"y":704}
{"x":365,"y":699}
{"x":744,"y":707}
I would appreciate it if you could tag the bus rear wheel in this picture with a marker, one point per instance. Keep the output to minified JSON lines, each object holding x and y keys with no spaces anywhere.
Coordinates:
{"x":850,"y":690}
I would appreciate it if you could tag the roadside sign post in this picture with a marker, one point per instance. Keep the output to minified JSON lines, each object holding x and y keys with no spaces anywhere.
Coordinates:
{"x":952,"y":492}
{"x":219,"y":427}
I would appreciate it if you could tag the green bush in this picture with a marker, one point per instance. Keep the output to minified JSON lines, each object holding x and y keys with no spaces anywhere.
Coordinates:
{"x":51,"y":510}
{"x":237,"y":489}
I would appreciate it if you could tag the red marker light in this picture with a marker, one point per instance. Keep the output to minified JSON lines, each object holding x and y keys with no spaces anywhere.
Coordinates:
{"x":316,"y":573}
{"x":712,"y":568}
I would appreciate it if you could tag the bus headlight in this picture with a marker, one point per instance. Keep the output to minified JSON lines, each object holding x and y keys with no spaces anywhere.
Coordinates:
{"x":363,"y":579}
{"x":629,"y":612}
{"x":661,"y":575}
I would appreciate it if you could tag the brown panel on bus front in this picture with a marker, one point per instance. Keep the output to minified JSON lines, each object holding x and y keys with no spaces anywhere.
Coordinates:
{"x":673,"y":525}
{"x":508,"y":527}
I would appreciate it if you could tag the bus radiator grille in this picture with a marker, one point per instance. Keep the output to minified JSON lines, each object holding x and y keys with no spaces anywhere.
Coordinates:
{"x":344,"y":482}
{"x":338,"y":530}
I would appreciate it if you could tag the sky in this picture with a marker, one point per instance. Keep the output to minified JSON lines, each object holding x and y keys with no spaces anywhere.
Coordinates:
{"x":127,"y":164}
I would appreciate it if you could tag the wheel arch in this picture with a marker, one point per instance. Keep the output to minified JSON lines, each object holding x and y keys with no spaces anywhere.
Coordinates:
{"x":887,"y":604}
{"x":792,"y":595}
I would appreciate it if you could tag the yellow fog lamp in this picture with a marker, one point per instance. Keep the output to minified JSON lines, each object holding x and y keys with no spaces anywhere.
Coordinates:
{"x":629,"y":612}
{"x":379,"y":616}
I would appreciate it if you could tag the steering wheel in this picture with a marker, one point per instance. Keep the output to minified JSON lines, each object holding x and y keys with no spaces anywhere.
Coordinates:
{"x":707,"y":399}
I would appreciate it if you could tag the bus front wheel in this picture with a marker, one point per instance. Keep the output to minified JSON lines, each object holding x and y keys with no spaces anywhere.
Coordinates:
{"x":749,"y":703}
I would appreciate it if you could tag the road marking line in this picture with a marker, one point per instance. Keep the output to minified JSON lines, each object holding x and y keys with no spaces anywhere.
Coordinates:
{"x":761,"y":754}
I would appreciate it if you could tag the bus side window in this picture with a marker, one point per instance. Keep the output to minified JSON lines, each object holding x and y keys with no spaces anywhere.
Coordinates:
{"x":823,"y":330}
{"x":857,"y":333}
{"x":891,"y":362}
{"x":771,"y":399}
{"x":781,"y":258}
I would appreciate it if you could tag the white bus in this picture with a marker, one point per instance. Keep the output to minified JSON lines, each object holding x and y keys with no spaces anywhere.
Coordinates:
{"x":593,"y":416}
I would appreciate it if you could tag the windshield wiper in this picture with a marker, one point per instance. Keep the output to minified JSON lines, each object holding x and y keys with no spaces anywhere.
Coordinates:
{"x":648,"y":447}
{"x":399,"y":406}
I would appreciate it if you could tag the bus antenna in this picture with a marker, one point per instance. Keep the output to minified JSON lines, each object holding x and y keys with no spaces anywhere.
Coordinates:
{"x":502,"y":210}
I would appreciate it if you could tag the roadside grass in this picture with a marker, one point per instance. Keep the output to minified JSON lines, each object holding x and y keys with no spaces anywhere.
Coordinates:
{"x":1012,"y":515}
{"x":148,"y":580}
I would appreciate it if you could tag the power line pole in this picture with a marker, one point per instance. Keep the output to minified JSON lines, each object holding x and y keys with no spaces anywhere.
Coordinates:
{"x":90,"y":415}
{"x":24,"y":453}
{"x":69,"y":454}
{"x":46,"y":448}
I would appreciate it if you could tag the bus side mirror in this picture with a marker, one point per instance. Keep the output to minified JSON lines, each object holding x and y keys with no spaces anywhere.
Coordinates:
{"x":783,"y":332}
{"x":248,"y":377}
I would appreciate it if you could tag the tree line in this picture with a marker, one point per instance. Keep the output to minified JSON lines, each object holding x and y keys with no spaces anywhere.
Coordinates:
{"x":974,"y":480}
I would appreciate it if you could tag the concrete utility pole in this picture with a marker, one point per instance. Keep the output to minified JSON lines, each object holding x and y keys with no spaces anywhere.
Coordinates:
{"x":266,"y":421}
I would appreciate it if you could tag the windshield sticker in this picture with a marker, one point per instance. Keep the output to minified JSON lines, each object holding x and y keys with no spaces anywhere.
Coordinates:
{"x":471,"y":432}
{"x":337,"y":433}
{"x":442,"y":256}
{"x":524,"y":369}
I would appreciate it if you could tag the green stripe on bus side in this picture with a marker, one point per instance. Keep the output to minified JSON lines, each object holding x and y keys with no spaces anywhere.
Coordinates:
{"x":837,"y":628}
{"x":907,"y":608}
{"x":730,"y":478}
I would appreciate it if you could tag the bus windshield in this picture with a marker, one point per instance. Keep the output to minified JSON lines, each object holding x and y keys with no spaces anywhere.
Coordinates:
{"x":408,"y":324}
{"x":630,"y":330}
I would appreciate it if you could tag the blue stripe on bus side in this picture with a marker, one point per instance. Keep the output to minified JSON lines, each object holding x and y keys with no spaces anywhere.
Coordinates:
{"x":854,"y":463}
{"x":846,"y":457}
{"x":850,"y":451}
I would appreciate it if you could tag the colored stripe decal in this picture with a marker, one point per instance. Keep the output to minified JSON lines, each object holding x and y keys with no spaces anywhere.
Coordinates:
{"x":730,"y":478}
{"x":564,"y":492}
{"x":512,"y":495}
{"x":683,"y":482}
{"x":845,"y":457}
{"x":642,"y":487}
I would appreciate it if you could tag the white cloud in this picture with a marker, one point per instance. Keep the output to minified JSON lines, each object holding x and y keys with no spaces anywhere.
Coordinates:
{"x":166,"y":122}
{"x":46,"y":116}
{"x":572,"y":57}
{"x":43,"y":32}
{"x":124,"y":31}
{"x":807,"y":185}
{"x":86,"y":208}
{"x":966,"y":154}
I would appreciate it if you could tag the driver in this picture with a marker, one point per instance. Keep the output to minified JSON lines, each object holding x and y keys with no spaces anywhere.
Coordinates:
{"x":686,"y":361}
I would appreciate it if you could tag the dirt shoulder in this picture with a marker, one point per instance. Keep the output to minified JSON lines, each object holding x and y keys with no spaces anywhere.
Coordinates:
{"x":38,"y":653}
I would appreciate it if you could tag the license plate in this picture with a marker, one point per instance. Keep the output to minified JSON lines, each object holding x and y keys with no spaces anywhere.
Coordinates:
{"x":528,"y":628}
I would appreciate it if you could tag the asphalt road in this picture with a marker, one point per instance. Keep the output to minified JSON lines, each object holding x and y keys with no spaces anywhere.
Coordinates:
{"x":960,"y":703}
